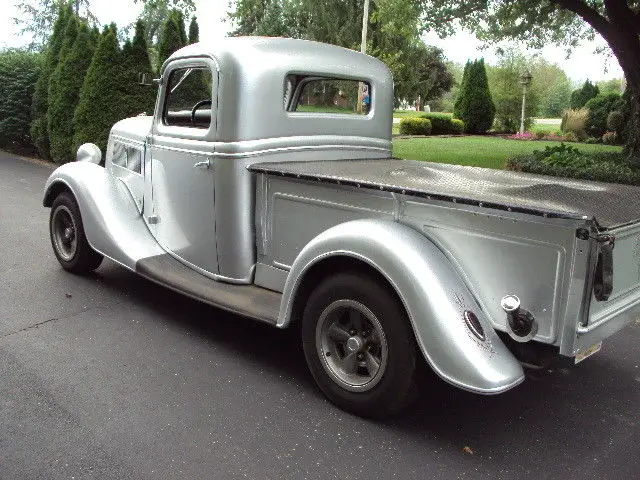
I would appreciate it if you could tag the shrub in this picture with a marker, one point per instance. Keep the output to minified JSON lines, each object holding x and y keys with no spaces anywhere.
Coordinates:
{"x":599,"y":109}
{"x":540,"y":134}
{"x":457,"y":126}
{"x":415,"y":126}
{"x":615,"y":121}
{"x":442,"y":123}
{"x":18,"y":76}
{"x":571,"y":137}
{"x":574,"y":121}
{"x":567,"y":161}
{"x":474,"y":105}
{"x":610,"y":138}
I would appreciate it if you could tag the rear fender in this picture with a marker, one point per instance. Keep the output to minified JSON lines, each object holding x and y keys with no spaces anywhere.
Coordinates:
{"x":432,"y":292}
{"x":112,"y":223}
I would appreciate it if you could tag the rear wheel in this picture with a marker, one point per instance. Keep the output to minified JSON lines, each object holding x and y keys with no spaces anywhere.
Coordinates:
{"x":359,"y":345}
{"x":69,"y":242}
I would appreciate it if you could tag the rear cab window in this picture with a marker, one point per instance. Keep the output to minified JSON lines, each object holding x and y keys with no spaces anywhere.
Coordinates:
{"x":324,"y":95}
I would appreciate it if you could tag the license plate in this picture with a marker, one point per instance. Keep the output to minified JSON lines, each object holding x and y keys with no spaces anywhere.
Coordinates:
{"x":587,"y":352}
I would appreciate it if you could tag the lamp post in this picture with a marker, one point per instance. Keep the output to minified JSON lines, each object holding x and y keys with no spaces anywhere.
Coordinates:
{"x":525,"y":80}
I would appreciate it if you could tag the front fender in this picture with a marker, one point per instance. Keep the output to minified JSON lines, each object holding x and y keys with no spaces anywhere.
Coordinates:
{"x":434,"y":296}
{"x":112,"y":223}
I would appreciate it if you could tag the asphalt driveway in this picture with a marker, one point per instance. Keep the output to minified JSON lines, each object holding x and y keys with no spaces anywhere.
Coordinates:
{"x":110,"y":376}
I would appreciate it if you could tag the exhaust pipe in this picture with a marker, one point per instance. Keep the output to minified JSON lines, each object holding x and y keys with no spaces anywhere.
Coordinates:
{"x":522,"y":325}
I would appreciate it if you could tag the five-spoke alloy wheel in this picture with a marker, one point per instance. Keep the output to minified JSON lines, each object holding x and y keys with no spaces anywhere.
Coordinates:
{"x":359,"y":344}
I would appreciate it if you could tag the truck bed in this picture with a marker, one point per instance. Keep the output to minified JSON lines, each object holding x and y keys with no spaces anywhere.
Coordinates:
{"x":610,"y":205}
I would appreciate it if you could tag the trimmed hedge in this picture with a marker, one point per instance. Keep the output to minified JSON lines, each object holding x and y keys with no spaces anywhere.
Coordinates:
{"x":415,"y":126}
{"x":569,"y":162}
{"x":444,"y":123}
{"x":19,"y":72}
{"x":599,"y":109}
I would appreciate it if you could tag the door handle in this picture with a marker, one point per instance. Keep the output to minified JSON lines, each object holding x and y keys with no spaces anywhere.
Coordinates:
{"x":202,"y":165}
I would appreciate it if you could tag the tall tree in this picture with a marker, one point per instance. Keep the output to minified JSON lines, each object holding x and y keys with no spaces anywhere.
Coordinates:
{"x":506,"y":91}
{"x":565,"y":22}
{"x":457,"y":108}
{"x":70,"y":75}
{"x":194,"y":31}
{"x":476,"y":108}
{"x":582,"y":95}
{"x":37,"y":18}
{"x":135,"y":61}
{"x":155,"y":13}
{"x":40,"y":101}
{"x":58,"y":94}
{"x":102,"y":96}
{"x":173,"y":37}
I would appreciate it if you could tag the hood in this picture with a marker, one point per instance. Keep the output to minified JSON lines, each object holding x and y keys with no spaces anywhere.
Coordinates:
{"x":134,"y":128}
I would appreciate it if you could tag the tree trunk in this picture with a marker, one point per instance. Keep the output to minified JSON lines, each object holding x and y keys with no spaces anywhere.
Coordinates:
{"x":632,"y":143}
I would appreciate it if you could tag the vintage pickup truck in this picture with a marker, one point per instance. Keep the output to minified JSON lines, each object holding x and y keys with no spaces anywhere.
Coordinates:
{"x":261,"y":185}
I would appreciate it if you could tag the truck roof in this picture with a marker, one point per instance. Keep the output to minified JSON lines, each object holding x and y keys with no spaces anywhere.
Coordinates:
{"x":268,"y":53}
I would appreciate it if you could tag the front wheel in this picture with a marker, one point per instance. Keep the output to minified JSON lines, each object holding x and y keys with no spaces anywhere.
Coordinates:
{"x":67,"y":236}
{"x":359,"y":345}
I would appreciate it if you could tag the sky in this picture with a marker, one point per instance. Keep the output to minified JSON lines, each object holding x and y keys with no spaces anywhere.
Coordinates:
{"x":582,"y":64}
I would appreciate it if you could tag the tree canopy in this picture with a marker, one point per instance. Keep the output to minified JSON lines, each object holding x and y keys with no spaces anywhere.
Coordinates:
{"x":539,"y":22}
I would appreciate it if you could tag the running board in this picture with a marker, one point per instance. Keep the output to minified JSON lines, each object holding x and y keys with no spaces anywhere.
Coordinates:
{"x":247,"y":300}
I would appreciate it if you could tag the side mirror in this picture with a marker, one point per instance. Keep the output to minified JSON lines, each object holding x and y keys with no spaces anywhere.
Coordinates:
{"x":144,"y":79}
{"x":89,"y":152}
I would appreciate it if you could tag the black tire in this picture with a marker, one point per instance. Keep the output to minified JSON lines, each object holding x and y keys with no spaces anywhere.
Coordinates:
{"x":74,"y":253}
{"x":388,"y":391}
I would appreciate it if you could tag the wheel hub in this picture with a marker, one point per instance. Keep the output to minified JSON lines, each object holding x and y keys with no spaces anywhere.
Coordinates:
{"x":351,"y":342}
{"x":354,"y":344}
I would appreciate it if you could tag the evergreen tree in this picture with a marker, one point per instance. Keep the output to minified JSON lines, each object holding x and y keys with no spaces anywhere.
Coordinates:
{"x":101,"y":99}
{"x":476,"y":108}
{"x":135,"y":61}
{"x":582,"y":95}
{"x":172,"y":38}
{"x":461,"y":91}
{"x":40,"y":101}
{"x":70,"y":76}
{"x":58,"y":94}
{"x":194,"y":31}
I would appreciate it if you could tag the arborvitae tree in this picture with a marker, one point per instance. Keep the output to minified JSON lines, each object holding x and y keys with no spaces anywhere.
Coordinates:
{"x":179,"y":17}
{"x":194,"y":31}
{"x":476,"y":108}
{"x":172,"y":37}
{"x":40,"y":101}
{"x":461,"y":91}
{"x":582,"y":95}
{"x":101,"y":98}
{"x":135,"y":61}
{"x":70,"y":75}
{"x":58,"y":86}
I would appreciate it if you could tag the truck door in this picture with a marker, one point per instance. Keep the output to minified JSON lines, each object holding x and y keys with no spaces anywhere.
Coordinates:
{"x":182,"y":174}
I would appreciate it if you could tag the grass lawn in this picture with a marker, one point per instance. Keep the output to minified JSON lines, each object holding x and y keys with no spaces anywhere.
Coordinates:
{"x":478,"y":151}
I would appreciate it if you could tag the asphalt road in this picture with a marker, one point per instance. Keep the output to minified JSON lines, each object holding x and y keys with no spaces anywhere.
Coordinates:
{"x":111,"y":376}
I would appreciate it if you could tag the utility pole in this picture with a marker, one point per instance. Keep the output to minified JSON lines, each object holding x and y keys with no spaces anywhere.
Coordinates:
{"x":363,"y":49}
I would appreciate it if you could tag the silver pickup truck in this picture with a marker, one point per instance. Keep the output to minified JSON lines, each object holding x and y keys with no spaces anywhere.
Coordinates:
{"x":265,"y":186}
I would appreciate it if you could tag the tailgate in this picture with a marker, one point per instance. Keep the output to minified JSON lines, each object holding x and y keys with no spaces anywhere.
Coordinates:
{"x":623,"y":304}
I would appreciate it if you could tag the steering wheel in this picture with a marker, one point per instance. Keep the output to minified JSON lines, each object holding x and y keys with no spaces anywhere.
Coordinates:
{"x":198,"y":105}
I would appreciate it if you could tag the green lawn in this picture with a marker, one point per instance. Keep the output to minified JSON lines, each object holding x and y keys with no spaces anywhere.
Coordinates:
{"x":489,"y":152}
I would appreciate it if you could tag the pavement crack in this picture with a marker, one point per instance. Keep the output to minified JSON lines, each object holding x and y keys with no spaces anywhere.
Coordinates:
{"x":36,"y":325}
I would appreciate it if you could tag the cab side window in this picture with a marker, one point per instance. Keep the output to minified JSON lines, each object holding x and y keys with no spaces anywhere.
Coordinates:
{"x":188,"y":101}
